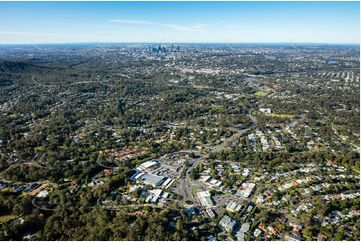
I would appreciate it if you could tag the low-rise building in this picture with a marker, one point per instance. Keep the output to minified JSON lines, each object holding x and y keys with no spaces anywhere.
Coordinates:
{"x":152,"y":180}
{"x":146,"y":165}
{"x":246,"y":190}
{"x":210,"y":213}
{"x":265,"y":110}
{"x":205,"y":198}
{"x":233,"y":207}
{"x":227,"y":223}
{"x":43,"y":194}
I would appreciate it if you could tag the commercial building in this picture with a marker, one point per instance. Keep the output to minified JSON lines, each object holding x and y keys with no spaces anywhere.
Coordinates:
{"x":246,"y":190}
{"x":205,"y":198}
{"x":227,"y":223}
{"x":234,"y":207}
{"x":152,"y":180}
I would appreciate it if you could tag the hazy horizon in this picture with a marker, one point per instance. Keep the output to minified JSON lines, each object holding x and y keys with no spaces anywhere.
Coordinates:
{"x":187,"y":43}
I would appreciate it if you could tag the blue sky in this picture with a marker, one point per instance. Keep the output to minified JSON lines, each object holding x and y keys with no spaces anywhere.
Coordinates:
{"x":242,"y":22}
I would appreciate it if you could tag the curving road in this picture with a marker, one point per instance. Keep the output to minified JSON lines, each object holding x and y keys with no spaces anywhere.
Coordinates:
{"x":185,"y":184}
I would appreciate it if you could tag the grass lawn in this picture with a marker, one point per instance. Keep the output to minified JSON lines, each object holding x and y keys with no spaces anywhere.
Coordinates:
{"x":261,"y":94}
{"x":39,"y":149}
{"x":217,"y":108}
{"x":279,"y":115}
{"x":7,"y":218}
{"x":13,"y":116}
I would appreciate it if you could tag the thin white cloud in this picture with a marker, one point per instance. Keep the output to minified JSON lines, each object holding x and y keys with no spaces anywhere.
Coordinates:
{"x":30,"y":33}
{"x":191,"y":28}
{"x":232,"y":26}
{"x":181,"y":28}
{"x":197,"y":27}
{"x":131,"y":21}
{"x":202,"y":26}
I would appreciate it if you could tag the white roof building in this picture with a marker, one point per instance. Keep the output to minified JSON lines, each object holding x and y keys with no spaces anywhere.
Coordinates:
{"x":146,"y":165}
{"x":43,"y":193}
{"x":246,"y":190}
{"x":205,"y":198}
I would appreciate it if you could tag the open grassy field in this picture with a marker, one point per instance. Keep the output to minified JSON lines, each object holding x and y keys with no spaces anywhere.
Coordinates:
{"x":261,"y":94}
{"x":217,"y":108}
{"x":275,"y":115}
{"x":7,"y":218}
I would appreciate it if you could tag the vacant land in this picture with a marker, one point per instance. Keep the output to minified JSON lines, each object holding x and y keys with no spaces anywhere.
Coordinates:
{"x":7,"y":218}
{"x":261,"y":94}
